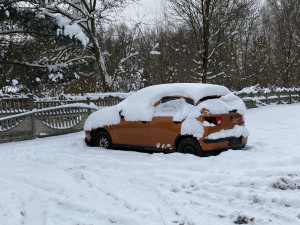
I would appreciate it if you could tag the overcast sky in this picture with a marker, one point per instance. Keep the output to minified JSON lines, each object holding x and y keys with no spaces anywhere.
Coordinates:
{"x":144,"y":11}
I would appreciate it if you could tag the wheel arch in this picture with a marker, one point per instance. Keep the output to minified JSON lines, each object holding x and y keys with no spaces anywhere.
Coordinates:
{"x":96,"y":131}
{"x":180,"y":137}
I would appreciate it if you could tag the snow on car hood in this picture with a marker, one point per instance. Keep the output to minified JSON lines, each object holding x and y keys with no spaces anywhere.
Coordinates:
{"x":103,"y":117}
{"x":140,"y":105}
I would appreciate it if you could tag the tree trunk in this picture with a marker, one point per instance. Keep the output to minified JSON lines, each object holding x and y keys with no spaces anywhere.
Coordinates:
{"x":205,"y":16}
{"x":100,"y":64}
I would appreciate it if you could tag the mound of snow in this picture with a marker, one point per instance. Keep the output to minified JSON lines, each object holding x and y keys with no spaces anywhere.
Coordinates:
{"x":224,"y":104}
{"x":59,"y":180}
{"x":237,"y":131}
{"x":104,"y":117}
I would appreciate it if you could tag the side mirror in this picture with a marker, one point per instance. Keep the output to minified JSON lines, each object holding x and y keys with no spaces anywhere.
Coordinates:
{"x":121,"y":115}
{"x":204,"y":112}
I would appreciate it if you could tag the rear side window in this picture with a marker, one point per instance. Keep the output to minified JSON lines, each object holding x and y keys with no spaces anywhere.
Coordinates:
{"x":189,"y":101}
{"x":167,"y":99}
{"x":209,"y":97}
{"x":168,"y":108}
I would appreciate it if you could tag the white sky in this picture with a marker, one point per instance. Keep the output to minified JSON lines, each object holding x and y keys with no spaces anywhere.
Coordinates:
{"x":144,"y":11}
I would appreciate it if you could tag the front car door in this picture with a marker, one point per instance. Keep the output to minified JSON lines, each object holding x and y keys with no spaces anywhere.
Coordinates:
{"x":133,"y":133}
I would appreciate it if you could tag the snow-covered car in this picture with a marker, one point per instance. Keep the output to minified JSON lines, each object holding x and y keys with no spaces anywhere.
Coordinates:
{"x":201,"y":119}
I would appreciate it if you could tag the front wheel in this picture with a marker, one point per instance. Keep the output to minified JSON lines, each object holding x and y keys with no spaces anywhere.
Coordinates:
{"x":190,"y":146}
{"x":103,"y":140}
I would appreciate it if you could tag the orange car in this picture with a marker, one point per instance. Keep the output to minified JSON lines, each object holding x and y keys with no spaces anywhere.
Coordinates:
{"x":201,"y":119}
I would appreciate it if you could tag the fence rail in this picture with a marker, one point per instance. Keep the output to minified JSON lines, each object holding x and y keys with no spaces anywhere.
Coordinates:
{"x":23,"y":118}
{"x":15,"y":104}
{"x":261,"y":98}
{"x":44,"y":122}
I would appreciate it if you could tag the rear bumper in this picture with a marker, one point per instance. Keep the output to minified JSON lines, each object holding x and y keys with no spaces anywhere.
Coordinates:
{"x":216,"y":146}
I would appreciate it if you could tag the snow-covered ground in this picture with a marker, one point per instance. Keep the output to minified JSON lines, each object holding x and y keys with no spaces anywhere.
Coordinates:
{"x":59,"y":180}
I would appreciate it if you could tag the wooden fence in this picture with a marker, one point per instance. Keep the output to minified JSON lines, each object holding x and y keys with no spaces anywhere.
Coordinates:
{"x":23,"y":118}
{"x":262,"y":98}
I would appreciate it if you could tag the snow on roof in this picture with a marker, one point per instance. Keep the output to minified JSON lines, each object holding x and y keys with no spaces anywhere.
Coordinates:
{"x":195,"y":91}
{"x":140,"y":105}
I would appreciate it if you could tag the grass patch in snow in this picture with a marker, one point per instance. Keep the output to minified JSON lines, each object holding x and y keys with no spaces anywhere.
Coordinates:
{"x":243,"y":220}
{"x":285,"y":183}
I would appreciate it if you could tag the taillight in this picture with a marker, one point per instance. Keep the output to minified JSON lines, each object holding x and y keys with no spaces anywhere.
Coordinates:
{"x":240,"y":119}
{"x":214,"y":120}
{"x":218,"y":121}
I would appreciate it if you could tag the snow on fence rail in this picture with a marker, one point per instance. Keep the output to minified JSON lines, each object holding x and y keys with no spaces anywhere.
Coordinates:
{"x":23,"y":117}
{"x":259,"y":97}
{"x":45,"y":122}
{"x":10,"y":105}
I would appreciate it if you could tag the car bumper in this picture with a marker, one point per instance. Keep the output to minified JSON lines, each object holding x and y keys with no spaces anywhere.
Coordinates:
{"x":87,"y":138}
{"x":216,"y":146}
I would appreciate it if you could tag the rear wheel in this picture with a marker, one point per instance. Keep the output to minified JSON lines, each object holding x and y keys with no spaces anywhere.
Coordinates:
{"x":103,"y":140}
{"x":190,"y":146}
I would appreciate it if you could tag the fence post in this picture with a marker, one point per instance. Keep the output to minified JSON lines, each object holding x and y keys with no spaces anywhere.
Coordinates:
{"x":1,"y":106}
{"x":267,"y":99}
{"x":32,"y":116}
{"x":252,"y":100}
{"x":62,"y":100}
{"x":88,"y":101}
{"x":279,"y":97}
{"x":290,"y":95}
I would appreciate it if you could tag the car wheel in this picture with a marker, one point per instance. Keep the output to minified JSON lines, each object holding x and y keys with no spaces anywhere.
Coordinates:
{"x":103,"y":140}
{"x":189,"y":146}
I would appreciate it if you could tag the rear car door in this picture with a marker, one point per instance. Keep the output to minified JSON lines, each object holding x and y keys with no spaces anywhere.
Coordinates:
{"x":163,"y":130}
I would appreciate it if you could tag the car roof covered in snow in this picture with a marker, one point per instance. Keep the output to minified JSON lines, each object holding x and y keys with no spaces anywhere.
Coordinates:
{"x":140,"y":105}
{"x":195,"y":91}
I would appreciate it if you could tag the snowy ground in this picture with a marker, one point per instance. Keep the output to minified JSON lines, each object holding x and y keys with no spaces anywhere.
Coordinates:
{"x":59,"y":180}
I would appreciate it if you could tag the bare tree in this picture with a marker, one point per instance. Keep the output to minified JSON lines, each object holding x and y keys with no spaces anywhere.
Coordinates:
{"x":30,"y":48}
{"x":85,"y":20}
{"x":283,"y":19}
{"x":210,"y":21}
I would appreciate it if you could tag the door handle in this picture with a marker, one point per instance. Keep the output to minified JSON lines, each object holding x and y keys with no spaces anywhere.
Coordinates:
{"x":177,"y":122}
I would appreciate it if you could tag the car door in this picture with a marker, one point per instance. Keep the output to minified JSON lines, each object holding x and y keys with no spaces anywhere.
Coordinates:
{"x":134,"y":133}
{"x":163,"y":130}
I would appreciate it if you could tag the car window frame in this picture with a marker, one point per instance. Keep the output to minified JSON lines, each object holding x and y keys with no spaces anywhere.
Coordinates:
{"x":171,"y":98}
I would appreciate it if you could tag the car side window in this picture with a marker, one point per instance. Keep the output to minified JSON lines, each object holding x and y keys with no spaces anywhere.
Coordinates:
{"x":167,"y":99}
{"x":168,"y":106}
{"x":187,"y":100}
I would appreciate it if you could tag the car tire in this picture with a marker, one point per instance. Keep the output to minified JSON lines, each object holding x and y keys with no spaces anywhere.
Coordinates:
{"x":190,"y":146}
{"x":103,"y":140}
